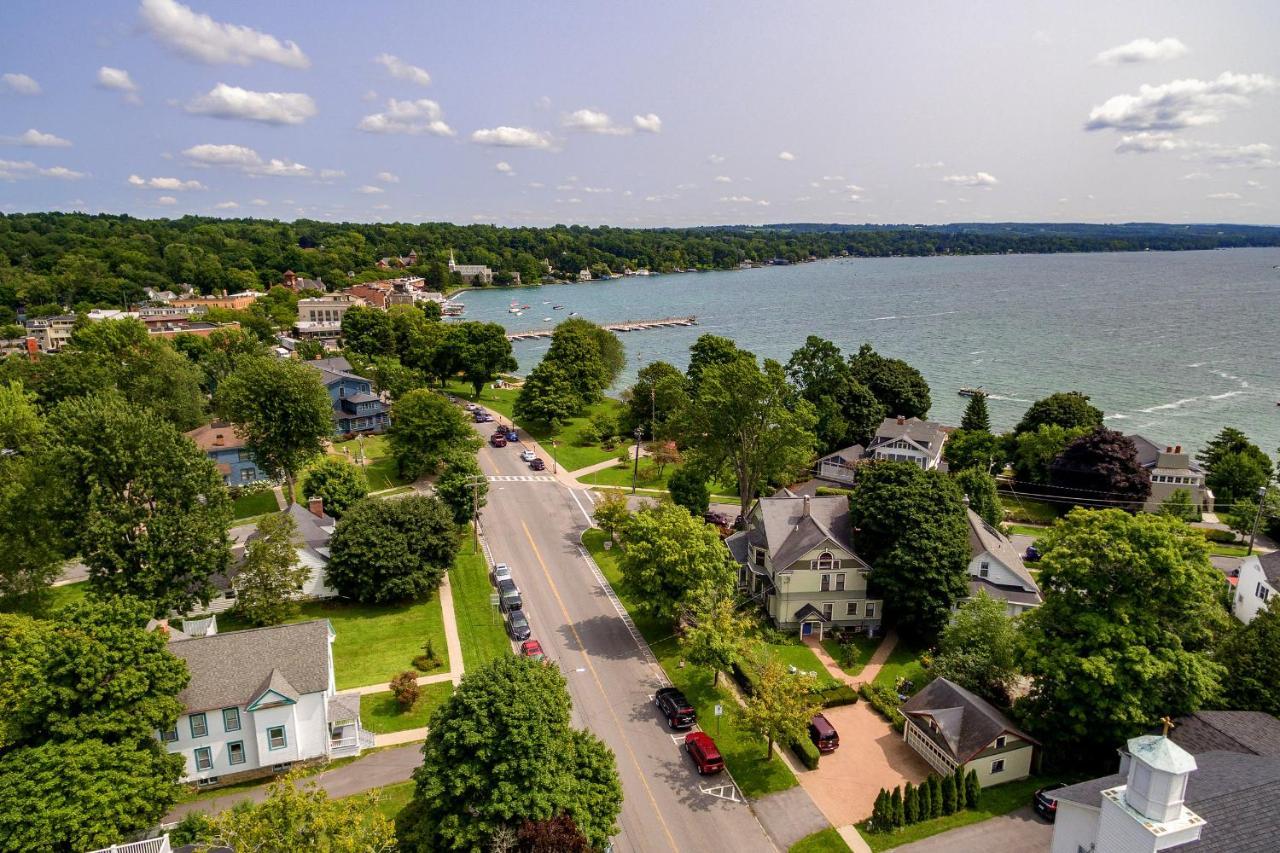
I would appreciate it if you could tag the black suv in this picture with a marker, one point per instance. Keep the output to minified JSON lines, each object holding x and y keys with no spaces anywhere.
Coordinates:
{"x":509,"y":596}
{"x":518,"y":626}
{"x":676,"y":708}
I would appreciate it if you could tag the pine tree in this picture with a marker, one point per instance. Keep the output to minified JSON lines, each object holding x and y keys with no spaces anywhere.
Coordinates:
{"x":879,"y":814}
{"x":936,"y":783}
{"x":976,"y":417}
{"x":898,"y":818}
{"x":911,"y":803}
{"x":949,"y":794}
{"x":973,"y":789}
{"x":926,"y":799}
{"x":962,"y":801}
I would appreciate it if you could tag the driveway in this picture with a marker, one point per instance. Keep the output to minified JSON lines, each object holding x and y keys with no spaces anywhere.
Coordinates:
{"x":1017,"y":832}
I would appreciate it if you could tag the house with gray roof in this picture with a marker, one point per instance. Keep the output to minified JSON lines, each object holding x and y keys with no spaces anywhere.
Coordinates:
{"x":1248,"y":732}
{"x":996,"y":568}
{"x":261,"y":702}
{"x":356,"y":408}
{"x":1172,"y":469}
{"x":841,"y":466}
{"x":909,"y":440}
{"x":1257,"y":585}
{"x":951,"y":727}
{"x":796,"y":556}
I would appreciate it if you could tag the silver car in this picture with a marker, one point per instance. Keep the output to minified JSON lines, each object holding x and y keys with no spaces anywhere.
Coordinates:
{"x":501,"y":572}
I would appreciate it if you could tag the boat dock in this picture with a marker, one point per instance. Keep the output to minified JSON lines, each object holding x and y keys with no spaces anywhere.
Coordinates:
{"x":630,"y":326}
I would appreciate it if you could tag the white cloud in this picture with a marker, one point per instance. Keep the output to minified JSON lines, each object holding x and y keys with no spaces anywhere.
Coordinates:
{"x":1179,"y":104}
{"x":715,"y":159}
{"x":402,"y":70}
{"x":388,"y":177}
{"x":1147,"y":142}
{"x":1257,"y":155}
{"x":977,"y":179}
{"x":201,"y":37}
{"x":763,"y":203}
{"x":12,"y":170}
{"x":649,"y":123}
{"x":1142,"y":50}
{"x":226,"y":205}
{"x":35,"y":139}
{"x":369,"y":189}
{"x":259,"y":202}
{"x":19,"y":84}
{"x":225,"y":101}
{"x":370,"y":95}
{"x":330,"y":174}
{"x":597,"y":189}
{"x":736,"y":199}
{"x":504,"y":167}
{"x":932,"y":164}
{"x":1257,"y":185}
{"x":854,"y":188}
{"x":833,"y":178}
{"x":1195,"y":176}
{"x":411,"y":117}
{"x":535,"y":185}
{"x":1224,"y":196}
{"x":723,"y":179}
{"x":786,"y":155}
{"x":512,"y":137}
{"x":170,"y":184}
{"x":593,"y":121}
{"x":118,"y":80}
{"x":543,"y":102}
{"x":166,"y":200}
{"x":246,"y":160}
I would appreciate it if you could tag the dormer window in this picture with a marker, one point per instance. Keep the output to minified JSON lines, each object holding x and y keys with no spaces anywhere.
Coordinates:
{"x":1000,"y":742}
{"x":984,"y":570}
{"x":826,"y":562}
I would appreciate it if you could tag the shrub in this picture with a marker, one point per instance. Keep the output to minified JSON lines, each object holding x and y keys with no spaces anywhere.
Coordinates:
{"x":1215,"y":535}
{"x":831,"y":491}
{"x":806,"y":752}
{"x":840,"y":694}
{"x":405,"y":688}
{"x":884,"y":700}
{"x":745,"y":676}
{"x":428,"y":660}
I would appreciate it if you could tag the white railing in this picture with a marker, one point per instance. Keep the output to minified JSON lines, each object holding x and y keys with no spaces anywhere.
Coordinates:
{"x":150,"y":845}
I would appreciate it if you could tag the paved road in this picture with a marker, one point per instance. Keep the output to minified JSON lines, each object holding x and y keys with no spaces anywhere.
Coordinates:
{"x":534,"y":525}
{"x":1021,"y":831}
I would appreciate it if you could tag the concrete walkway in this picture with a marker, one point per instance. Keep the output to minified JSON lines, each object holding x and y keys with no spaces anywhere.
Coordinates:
{"x":869,"y":672}
{"x":397,"y":738}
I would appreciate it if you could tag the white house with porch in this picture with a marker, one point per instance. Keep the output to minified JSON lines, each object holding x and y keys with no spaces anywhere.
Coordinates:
{"x":261,"y":702}
{"x":909,"y":440}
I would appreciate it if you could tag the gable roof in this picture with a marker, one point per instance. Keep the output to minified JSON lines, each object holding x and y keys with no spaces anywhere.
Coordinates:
{"x":277,"y":686}
{"x":1270,"y":564}
{"x":792,"y":525}
{"x":848,"y":456}
{"x":1149,"y":453}
{"x":1252,"y":732}
{"x":927,"y":434}
{"x":985,"y":539}
{"x":233,"y":669}
{"x":966,"y":723}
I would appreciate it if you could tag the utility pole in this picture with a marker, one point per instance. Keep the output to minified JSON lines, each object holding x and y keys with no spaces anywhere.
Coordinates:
{"x":473,"y":483}
{"x":653,"y":412}
{"x":1262,"y":499}
{"x":635,"y":471}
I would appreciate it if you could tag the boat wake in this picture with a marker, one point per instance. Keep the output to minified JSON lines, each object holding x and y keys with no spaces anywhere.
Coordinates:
{"x":1176,"y":404}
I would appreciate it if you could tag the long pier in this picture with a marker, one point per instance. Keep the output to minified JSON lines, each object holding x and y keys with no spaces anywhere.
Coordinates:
{"x":630,"y":326}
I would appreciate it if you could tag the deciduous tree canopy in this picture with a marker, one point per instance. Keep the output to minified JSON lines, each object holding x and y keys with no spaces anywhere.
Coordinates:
{"x":392,"y":550}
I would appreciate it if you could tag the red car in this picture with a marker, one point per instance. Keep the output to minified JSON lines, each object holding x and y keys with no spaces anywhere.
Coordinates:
{"x":498,"y":440}
{"x":532,"y":649}
{"x":702,"y":749}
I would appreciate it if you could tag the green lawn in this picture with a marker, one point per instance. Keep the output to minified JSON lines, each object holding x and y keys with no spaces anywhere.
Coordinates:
{"x":381,"y":465}
{"x":374,"y":642}
{"x":568,"y":451}
{"x":1027,"y":530}
{"x":904,"y":661}
{"x":1227,"y":549}
{"x":258,"y":503}
{"x":479,"y":625}
{"x":47,"y":600}
{"x":999,"y":800}
{"x":393,"y":798}
{"x":802,"y":658}
{"x":648,"y":478}
{"x":852,"y":656}
{"x":380,"y":712}
{"x":1025,"y":510}
{"x":826,"y":841}
{"x":743,"y":752}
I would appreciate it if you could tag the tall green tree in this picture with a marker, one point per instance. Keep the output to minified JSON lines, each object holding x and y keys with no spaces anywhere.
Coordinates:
{"x":781,"y":705}
{"x":30,"y":544}
{"x":480,"y":352}
{"x":669,"y":557}
{"x":1067,"y":409}
{"x":976,"y":418}
{"x":709,"y":350}
{"x":338,"y":483}
{"x":462,"y":486}
{"x":270,"y":575}
{"x":980,"y":488}
{"x":975,"y":449}
{"x":1033,"y":452}
{"x":589,"y":357}
{"x":848,"y":412}
{"x":899,"y":387}
{"x":425,"y":428}
{"x":750,"y":424}
{"x":144,"y":507}
{"x":395,"y":550}
{"x":1126,"y":632}
{"x":1238,"y":468}
{"x":1101,"y":468}
{"x":1249,"y":653}
{"x":911,"y":526}
{"x":688,"y":488}
{"x":715,"y":631}
{"x":283,"y":411}
{"x":979,"y":647}
{"x":501,"y":751}
{"x":547,"y":396}
{"x":658,"y":395}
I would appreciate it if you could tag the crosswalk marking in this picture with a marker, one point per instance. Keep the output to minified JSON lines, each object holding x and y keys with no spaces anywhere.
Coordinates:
{"x":521,"y":478}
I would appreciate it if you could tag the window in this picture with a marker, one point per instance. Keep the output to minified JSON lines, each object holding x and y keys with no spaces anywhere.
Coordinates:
{"x":984,"y":570}
{"x":204,"y":758}
{"x":826,"y":562}
{"x":871,"y":610}
{"x":826,"y":583}
{"x":851,"y":609}
{"x":242,"y":456}
{"x":199,"y":725}
{"x":205,"y":783}
{"x":169,"y":735}
{"x":235,"y":752}
{"x":1000,"y":742}
{"x":759,"y":556}
{"x":997,"y":766}
{"x":840,"y":582}
{"x":281,"y":768}
{"x":1262,"y":591}
{"x":231,"y":719}
{"x":248,"y":475}
{"x":276,"y":738}
{"x":827,"y":608}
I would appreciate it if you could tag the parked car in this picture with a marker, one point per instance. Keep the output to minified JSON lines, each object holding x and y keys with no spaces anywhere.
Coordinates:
{"x":702,"y":749}
{"x":478,"y":417}
{"x":472,"y":407}
{"x":509,"y":596}
{"x":719,"y":519}
{"x":537,"y":464}
{"x":528,"y":455}
{"x":488,"y":418}
{"x":498,"y":440}
{"x":518,"y":625}
{"x":679,"y":713}
{"x":512,"y":435}
{"x":1032,"y":554}
{"x":823,"y":734}
{"x":532,"y":649}
{"x":1045,"y":802}
{"x":501,"y":571}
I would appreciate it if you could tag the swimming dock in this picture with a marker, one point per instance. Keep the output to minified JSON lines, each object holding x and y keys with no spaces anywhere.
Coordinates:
{"x":630,"y":326}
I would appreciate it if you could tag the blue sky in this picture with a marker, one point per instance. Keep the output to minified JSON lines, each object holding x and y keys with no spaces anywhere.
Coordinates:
{"x":655,"y":113}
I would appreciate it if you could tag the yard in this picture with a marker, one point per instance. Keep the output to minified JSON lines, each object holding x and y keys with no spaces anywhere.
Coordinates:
{"x":743,"y":751}
{"x":255,"y":504}
{"x":904,"y":662}
{"x":393,"y":798}
{"x":381,"y":713}
{"x":479,"y":625}
{"x":1027,"y":530}
{"x":1026,"y":510}
{"x":826,"y":841}
{"x":49,"y":600}
{"x":374,"y":642}
{"x":855,"y":654}
{"x":620,"y":476}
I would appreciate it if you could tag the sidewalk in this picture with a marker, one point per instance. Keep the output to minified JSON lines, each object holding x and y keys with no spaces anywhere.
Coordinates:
{"x":869,"y":672}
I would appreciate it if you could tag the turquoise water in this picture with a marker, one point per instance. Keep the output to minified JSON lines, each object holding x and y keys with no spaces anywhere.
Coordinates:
{"x":1174,"y":345}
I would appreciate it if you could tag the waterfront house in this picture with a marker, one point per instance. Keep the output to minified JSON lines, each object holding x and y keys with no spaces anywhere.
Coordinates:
{"x":996,"y":567}
{"x":951,"y":727}
{"x":909,"y":440}
{"x":796,"y":556}
{"x":226,"y":448}
{"x":471,"y":273}
{"x":841,"y":466}
{"x":1257,"y":585}
{"x":356,"y":408}
{"x":399,"y":261}
{"x":261,"y":702}
{"x":1172,"y":470}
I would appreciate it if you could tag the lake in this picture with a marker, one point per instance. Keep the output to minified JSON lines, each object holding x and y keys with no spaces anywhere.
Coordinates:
{"x":1174,"y":345}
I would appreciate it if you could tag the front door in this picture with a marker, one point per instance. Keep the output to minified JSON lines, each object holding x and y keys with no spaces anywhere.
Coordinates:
{"x":806,"y":629}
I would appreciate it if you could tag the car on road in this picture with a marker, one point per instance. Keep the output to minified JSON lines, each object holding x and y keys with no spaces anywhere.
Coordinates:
{"x":537,"y":464}
{"x":532,"y":649}
{"x":528,"y":455}
{"x":478,"y":417}
{"x":501,"y":571}
{"x":509,"y":596}
{"x":823,"y":734}
{"x":518,"y":626}
{"x":486,"y":418}
{"x":675,"y":707}
{"x":1046,"y":802}
{"x":472,"y":407}
{"x":512,"y":435}
{"x":1032,"y":554}
{"x":498,"y":440}
{"x":702,"y":749}
{"x":717,"y":518}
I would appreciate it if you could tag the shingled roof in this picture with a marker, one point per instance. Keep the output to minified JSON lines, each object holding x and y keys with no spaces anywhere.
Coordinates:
{"x":1271,"y":567}
{"x":966,"y":723}
{"x":1252,"y":732}
{"x":985,"y":539}
{"x":792,"y":525}
{"x":235,"y":668}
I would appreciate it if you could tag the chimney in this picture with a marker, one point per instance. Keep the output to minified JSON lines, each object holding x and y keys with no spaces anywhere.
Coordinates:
{"x":218,"y":440}
{"x":1177,"y":448}
{"x":901,"y":420}
{"x":806,"y":505}
{"x":1168,"y":448}
{"x":316,"y":505}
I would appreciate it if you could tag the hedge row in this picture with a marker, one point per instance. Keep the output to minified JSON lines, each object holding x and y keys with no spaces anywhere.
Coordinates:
{"x":836,"y":695}
{"x":884,"y":700}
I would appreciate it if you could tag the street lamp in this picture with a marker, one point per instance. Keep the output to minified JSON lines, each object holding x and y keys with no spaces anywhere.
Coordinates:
{"x":1262,"y":499}
{"x":635,"y":471}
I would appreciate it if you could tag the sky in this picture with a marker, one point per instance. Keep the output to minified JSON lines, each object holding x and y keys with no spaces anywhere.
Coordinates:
{"x":643,"y":114}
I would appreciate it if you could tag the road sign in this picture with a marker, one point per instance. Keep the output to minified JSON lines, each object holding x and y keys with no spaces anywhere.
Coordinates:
{"x":493,"y":599}
{"x":719,"y":710}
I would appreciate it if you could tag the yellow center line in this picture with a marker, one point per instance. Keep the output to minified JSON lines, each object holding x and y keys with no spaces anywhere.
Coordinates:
{"x":594,"y":675}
